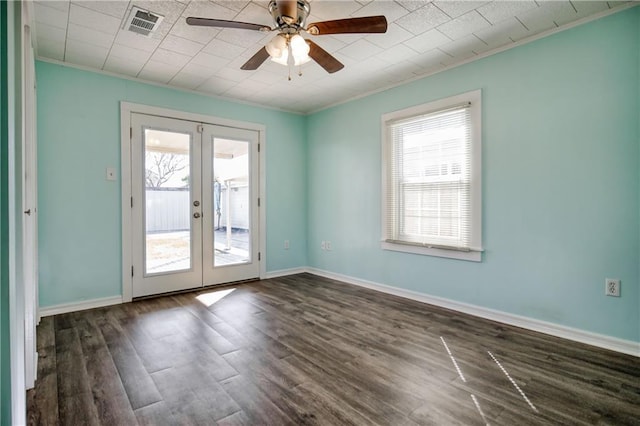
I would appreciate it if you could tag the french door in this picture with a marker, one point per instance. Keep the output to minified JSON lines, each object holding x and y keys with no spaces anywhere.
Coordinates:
{"x":194,"y":204}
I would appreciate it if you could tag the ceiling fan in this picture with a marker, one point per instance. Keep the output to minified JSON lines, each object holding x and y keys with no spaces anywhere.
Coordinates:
{"x":289,"y":47}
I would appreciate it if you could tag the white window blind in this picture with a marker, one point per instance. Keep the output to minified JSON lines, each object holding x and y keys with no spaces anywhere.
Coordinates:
{"x":429,"y":174}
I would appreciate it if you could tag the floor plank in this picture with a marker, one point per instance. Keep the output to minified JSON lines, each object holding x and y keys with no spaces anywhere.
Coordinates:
{"x":305,"y":350}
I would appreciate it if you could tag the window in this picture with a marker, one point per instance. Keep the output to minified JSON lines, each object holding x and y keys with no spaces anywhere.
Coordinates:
{"x":431,"y":178}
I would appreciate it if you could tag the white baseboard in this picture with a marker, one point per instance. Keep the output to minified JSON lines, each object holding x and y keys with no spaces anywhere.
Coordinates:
{"x":600,"y":340}
{"x":79,"y":306}
{"x":284,"y":272}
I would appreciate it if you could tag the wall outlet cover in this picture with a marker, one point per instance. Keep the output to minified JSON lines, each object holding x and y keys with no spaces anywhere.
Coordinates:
{"x":612,"y":287}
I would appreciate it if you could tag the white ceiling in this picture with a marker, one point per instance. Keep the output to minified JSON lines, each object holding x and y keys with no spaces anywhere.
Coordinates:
{"x":423,"y":37}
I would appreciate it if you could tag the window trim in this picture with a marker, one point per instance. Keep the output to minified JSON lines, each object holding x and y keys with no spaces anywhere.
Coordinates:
{"x":475,"y":253}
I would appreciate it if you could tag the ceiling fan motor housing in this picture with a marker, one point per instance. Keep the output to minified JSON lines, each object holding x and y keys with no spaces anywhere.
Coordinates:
{"x":289,"y":16}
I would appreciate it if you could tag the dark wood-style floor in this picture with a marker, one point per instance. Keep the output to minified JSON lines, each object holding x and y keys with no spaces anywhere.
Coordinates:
{"x":308,"y":350}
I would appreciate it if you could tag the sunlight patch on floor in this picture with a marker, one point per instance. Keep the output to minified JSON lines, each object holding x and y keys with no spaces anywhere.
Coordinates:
{"x":208,"y":299}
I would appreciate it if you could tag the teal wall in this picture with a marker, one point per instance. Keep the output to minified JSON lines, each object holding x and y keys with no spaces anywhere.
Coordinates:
{"x":80,"y":212}
{"x":561,"y":183}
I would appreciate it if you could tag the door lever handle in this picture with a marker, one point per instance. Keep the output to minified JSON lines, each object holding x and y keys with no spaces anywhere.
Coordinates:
{"x":28,"y":212}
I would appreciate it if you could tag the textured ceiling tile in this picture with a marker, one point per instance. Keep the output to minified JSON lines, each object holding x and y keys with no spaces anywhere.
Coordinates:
{"x":94,"y":20}
{"x":249,"y":87}
{"x":216,"y":85}
{"x":181,"y":45}
{"x":457,"y":8}
{"x":87,"y":35}
{"x":403,"y":70}
{"x":464,"y":48}
{"x":329,"y":43}
{"x":123,"y":66}
{"x":412,"y":5}
{"x":399,"y":53}
{"x":243,"y":38}
{"x":209,"y":61}
{"x":429,"y":60}
{"x":85,"y":54}
{"x":47,"y":32}
{"x":223,"y":49}
{"x":267,"y":77}
{"x":113,"y":8}
{"x":427,"y":41}
{"x":423,"y":19}
{"x":368,"y":68}
{"x":255,"y":14}
{"x":62,"y":6}
{"x":325,"y":10}
{"x":503,"y":33}
{"x":542,"y":18}
{"x":233,"y":74}
{"x":201,"y":35}
{"x":128,"y":53}
{"x":49,"y":48}
{"x":585,"y":8}
{"x":170,"y":58}
{"x":312,"y":71}
{"x":497,"y":11}
{"x":464,"y":25}
{"x":136,"y":41}
{"x":207,"y":9}
{"x":158,"y":71}
{"x":394,"y":35}
{"x":236,"y":5}
{"x":187,"y":81}
{"x":205,"y":72}
{"x":360,"y":50}
{"x":51,"y":16}
{"x":390,"y":9}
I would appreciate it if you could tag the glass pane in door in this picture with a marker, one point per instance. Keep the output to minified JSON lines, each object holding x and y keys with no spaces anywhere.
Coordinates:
{"x":231,"y":202}
{"x":167,"y":218}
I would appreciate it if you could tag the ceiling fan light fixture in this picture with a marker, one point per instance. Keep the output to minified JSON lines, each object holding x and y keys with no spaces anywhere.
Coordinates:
{"x":299,"y":50}
{"x":283,"y":59}
{"x":277,"y":47}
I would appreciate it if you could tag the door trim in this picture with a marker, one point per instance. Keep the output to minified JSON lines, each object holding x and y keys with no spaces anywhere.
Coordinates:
{"x":126,"y":109}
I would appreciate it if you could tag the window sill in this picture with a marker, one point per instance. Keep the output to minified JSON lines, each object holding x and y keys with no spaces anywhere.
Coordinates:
{"x":471,"y":256}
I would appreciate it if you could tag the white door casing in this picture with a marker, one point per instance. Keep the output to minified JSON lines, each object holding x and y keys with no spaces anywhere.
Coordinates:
{"x":210,"y":128}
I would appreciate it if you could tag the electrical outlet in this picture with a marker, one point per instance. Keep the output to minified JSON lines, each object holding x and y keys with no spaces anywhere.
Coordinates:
{"x":328,"y":245}
{"x":323,"y":245}
{"x":612,"y":287}
{"x":286,"y":244}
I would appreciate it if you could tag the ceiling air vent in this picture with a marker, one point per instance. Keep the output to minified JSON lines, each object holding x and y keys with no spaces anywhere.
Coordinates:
{"x":142,"y":21}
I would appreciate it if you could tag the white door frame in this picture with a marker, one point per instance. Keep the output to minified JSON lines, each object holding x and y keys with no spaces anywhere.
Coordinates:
{"x":29,"y":204}
{"x":126,"y":109}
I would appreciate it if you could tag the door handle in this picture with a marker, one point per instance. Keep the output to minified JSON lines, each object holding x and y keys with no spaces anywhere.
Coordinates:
{"x":196,"y":203}
{"x":196,"y":215}
{"x":27,"y":212}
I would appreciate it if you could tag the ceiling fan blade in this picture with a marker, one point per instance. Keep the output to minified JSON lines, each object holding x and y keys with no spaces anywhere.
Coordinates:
{"x":221,"y":23}
{"x":367,"y":24}
{"x":288,"y":10}
{"x":324,"y":58}
{"x":256,"y":60}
